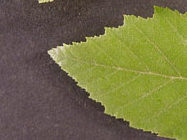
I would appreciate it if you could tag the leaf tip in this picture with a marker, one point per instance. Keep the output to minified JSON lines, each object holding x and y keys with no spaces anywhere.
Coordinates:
{"x":51,"y":52}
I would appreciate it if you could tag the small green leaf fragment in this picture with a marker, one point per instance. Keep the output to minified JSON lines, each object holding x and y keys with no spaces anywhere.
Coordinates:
{"x":45,"y":1}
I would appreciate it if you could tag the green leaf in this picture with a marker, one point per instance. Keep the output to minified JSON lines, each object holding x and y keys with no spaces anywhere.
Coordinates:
{"x":45,"y":1}
{"x":137,"y":71}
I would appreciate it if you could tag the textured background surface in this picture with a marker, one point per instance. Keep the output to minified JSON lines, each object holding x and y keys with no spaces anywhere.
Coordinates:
{"x":38,"y":101}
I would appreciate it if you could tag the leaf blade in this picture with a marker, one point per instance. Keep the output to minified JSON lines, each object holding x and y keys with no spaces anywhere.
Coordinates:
{"x":132,"y":72}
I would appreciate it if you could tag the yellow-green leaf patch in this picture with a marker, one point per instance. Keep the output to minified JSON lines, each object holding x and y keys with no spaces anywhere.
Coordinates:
{"x":45,"y":1}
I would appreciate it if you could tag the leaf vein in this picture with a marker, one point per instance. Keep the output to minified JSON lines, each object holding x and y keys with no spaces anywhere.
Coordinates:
{"x":144,"y":95}
{"x":130,"y":70}
{"x":159,"y":51}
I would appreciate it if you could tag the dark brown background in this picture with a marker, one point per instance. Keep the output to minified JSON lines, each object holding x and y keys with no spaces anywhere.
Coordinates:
{"x":38,"y":101}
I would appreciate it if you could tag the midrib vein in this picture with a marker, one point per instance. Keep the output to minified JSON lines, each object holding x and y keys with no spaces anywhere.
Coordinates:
{"x":128,"y":70}
{"x":142,"y":72}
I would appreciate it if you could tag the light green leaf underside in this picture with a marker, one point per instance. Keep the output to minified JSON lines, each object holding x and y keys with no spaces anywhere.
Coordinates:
{"x":137,"y":71}
{"x":45,"y":1}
